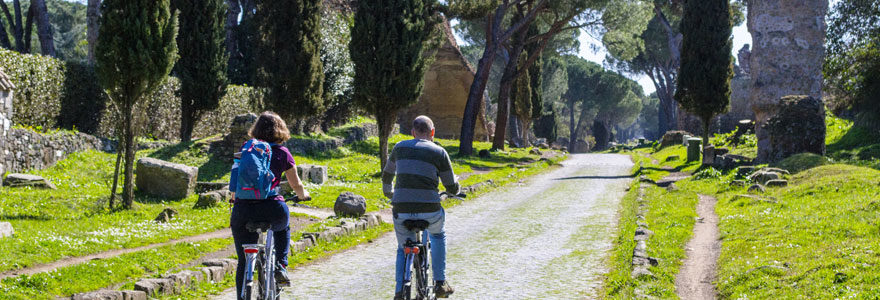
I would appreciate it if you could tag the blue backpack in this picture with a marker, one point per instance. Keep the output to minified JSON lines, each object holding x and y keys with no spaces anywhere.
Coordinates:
{"x":251,"y":177}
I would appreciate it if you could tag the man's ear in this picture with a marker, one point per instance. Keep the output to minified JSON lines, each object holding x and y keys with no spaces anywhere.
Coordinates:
{"x":432,"y":132}
{"x":413,"y":132}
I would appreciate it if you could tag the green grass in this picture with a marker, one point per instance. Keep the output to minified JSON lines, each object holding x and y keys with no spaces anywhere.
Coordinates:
{"x":852,"y":144}
{"x":803,"y":161}
{"x":618,"y":282}
{"x":99,"y":274}
{"x":819,"y":240}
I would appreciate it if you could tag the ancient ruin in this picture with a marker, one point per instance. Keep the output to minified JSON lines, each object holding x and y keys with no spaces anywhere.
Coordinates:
{"x":447,"y":83}
{"x":789,"y":47}
{"x":6,"y":88}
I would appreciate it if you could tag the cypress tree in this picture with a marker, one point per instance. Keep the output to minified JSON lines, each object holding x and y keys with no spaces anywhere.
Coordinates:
{"x":389,"y":43}
{"x":135,"y":52}
{"x":706,"y":62}
{"x":203,"y":59}
{"x":289,"y":57}
{"x":521,"y":99}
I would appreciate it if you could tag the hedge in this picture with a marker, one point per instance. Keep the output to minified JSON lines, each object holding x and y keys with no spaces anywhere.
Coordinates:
{"x":55,"y":94}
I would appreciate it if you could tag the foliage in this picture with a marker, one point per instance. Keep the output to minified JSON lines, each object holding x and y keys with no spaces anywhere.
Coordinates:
{"x":624,"y":21}
{"x":203,"y":59}
{"x":853,"y":56}
{"x":338,"y":68}
{"x":388,"y":79}
{"x":521,"y":96}
{"x":39,"y":87}
{"x":708,"y":173}
{"x":136,"y":50}
{"x":706,"y":64}
{"x":289,"y":57}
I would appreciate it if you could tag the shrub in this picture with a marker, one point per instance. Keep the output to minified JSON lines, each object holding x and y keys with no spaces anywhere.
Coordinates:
{"x":55,"y":94}
{"x":708,"y":173}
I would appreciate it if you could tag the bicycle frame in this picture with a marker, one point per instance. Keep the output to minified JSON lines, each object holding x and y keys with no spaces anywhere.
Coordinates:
{"x":266,"y":254}
{"x":421,"y":247}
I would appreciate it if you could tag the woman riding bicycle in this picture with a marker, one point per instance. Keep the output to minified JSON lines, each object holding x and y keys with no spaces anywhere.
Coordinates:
{"x":269,"y":128}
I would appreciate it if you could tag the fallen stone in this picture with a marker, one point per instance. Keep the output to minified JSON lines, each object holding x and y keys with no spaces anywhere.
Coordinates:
{"x":536,"y":151}
{"x":745,"y":171}
{"x":6,"y":229}
{"x":349,"y":204}
{"x":318,"y":175}
{"x":181,"y":281}
{"x":155,"y":286}
{"x":757,"y":189}
{"x":99,"y":295}
{"x":777,"y":183}
{"x":776,"y":170}
{"x":216,"y":273}
{"x":165,"y":179}
{"x":349,"y":227}
{"x":543,"y":146}
{"x":134,"y":295}
{"x":671,"y":138}
{"x":211,"y":199}
{"x":27,"y":180}
{"x":372,"y":220}
{"x":709,"y":155}
{"x":798,"y":126}
{"x":763,"y":177}
{"x":738,"y":183}
{"x":166,"y":215}
{"x":203,"y":187}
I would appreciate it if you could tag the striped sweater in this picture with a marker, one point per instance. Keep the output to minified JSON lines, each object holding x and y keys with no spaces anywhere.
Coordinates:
{"x":419,"y":166}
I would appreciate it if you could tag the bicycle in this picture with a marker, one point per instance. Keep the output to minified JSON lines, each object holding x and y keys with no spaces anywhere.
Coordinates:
{"x":260,"y":257}
{"x":417,"y":255}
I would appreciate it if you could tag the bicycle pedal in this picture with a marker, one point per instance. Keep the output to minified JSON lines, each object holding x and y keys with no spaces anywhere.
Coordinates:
{"x":282,"y":284}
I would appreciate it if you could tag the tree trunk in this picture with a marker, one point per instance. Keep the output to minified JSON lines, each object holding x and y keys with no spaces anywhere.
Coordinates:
{"x":18,"y":32}
{"x":28,"y":26}
{"x":93,"y":14}
{"x":44,"y":29}
{"x":475,"y":95}
{"x":525,"y":131}
{"x":188,"y":117}
{"x":385,"y":121}
{"x":706,"y":122}
{"x":572,"y":131}
{"x":233,"y":10}
{"x":116,"y":171}
{"x":4,"y":37}
{"x":130,"y":143}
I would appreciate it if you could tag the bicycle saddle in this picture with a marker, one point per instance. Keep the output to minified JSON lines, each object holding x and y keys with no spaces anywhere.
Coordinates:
{"x":415,"y":225}
{"x":257,"y":226}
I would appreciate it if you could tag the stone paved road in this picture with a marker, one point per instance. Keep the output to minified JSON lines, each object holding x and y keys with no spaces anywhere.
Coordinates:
{"x":546,"y":238}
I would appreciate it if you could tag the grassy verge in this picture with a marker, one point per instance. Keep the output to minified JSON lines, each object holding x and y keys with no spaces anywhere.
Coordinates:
{"x":814,"y":239}
{"x":99,"y":274}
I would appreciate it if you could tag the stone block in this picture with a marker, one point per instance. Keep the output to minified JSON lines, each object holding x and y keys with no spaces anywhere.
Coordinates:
{"x":298,"y":246}
{"x":314,"y":237}
{"x":349,"y":204}
{"x":165,"y":179}
{"x":155,"y":286}
{"x":693,"y":152}
{"x":6,"y":229}
{"x":757,"y":189}
{"x":180,"y":280}
{"x":211,"y":199}
{"x":166,"y":215}
{"x":195,"y":276}
{"x":25,"y":180}
{"x":777,"y":183}
{"x":349,"y":227}
{"x":99,"y":295}
{"x":134,"y":295}
{"x":709,"y":155}
{"x":318,"y":175}
{"x":217,"y":273}
{"x":763,"y":177}
{"x":335,"y":232}
{"x":797,"y":127}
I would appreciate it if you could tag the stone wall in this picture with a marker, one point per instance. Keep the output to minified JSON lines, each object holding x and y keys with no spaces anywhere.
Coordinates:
{"x":27,"y":150}
{"x":6,"y":88}
{"x":447,"y":83}
{"x":787,"y":56}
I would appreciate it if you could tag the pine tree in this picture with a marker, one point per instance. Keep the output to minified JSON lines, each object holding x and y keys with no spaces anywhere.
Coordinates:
{"x":389,"y":43}
{"x":203,"y":59}
{"x":289,"y":57}
{"x":706,"y":62}
{"x":135,"y":52}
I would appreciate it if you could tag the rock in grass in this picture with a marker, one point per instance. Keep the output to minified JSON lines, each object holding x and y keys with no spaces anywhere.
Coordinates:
{"x":536,"y":151}
{"x":165,"y":179}
{"x":757,"y":189}
{"x":166,"y":215}
{"x":673,"y":158}
{"x":6,"y":229}
{"x":762,"y":177}
{"x":211,"y":199}
{"x":777,"y":183}
{"x":738,"y":183}
{"x":349,"y":204}
{"x":23,"y":180}
{"x":745,"y":171}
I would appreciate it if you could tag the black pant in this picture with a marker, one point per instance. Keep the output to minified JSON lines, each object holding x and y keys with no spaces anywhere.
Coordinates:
{"x":272,"y":211}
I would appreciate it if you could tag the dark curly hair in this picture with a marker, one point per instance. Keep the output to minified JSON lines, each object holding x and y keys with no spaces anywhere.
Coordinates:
{"x":271,"y":128}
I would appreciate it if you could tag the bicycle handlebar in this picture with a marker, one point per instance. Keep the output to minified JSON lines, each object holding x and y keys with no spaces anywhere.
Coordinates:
{"x":459,"y":196}
{"x":296,"y":199}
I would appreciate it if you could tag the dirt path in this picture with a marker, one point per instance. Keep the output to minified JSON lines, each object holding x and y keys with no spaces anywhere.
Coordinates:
{"x":546,"y":238}
{"x":295,"y":223}
{"x":699,"y":268}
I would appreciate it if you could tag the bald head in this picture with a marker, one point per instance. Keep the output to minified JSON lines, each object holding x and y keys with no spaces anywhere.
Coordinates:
{"x":423,"y":128}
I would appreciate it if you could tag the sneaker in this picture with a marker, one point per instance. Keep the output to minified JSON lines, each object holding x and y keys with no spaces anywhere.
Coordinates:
{"x":281,"y":278}
{"x":442,"y":289}
{"x":398,"y":296}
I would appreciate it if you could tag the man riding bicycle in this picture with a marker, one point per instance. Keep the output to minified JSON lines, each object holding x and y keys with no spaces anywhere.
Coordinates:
{"x":419,"y":165}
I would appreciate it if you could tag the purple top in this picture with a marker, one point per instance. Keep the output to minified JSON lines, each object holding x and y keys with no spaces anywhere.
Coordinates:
{"x":281,"y":161}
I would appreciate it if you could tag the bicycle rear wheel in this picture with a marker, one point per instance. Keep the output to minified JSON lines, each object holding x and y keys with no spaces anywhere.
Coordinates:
{"x":422,"y":282}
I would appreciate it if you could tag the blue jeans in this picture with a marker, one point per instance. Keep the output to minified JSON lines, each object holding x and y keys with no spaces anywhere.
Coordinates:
{"x":272,"y":211}
{"x":437,"y":235}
